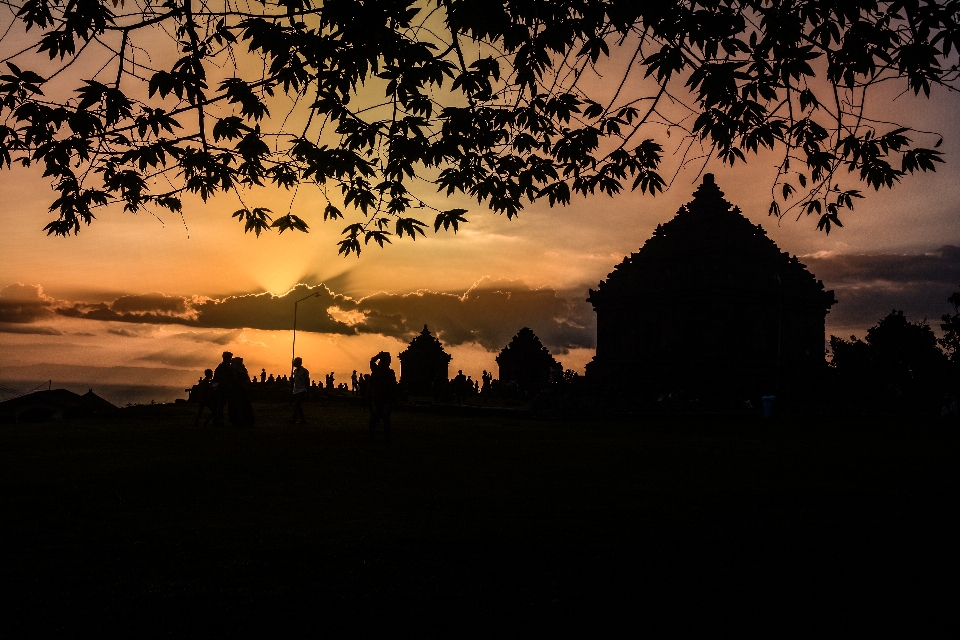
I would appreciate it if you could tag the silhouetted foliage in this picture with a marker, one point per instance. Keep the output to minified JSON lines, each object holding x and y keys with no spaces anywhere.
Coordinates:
{"x":851,"y":359}
{"x":368,"y":99}
{"x":898,"y":358}
{"x":951,"y":329}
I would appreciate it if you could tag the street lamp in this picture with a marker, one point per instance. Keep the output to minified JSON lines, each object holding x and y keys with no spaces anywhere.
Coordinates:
{"x":312,"y":295}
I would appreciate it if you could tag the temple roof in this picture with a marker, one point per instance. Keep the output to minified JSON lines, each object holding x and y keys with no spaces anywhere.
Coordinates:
{"x":709,"y":244}
{"x":425,"y":345}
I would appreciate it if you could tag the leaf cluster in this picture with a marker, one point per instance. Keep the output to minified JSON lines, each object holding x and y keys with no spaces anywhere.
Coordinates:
{"x":479,"y":99}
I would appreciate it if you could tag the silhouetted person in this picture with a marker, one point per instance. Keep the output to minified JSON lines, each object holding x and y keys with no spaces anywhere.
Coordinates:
{"x":263,"y":375}
{"x":270,"y":379}
{"x":224,"y":378}
{"x":330,"y":385}
{"x":301,"y":382}
{"x":381,"y":391}
{"x":240,"y":409}
{"x":353,"y":382}
{"x":363,"y":385}
{"x":459,"y":387}
{"x":207,"y":396}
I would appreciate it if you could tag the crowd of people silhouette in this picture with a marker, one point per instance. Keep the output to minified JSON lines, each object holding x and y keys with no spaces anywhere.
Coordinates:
{"x":229,"y":387}
{"x":225,"y":387}
{"x":227,"y":390}
{"x":898,"y":366}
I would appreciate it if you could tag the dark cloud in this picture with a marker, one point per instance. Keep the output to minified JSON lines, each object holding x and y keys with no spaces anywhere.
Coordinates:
{"x":178,"y":358}
{"x":24,"y":303}
{"x":130,"y":333}
{"x":869,"y":286}
{"x":940,"y":266}
{"x":488,"y":314}
{"x":153,"y":303}
{"x":861,"y":307}
{"x":272,"y":312}
{"x":256,"y":311}
{"x":105,"y":311}
{"x":214,"y":337}
{"x":29,"y":329}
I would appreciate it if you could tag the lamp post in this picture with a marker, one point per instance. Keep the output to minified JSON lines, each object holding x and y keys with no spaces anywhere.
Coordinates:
{"x":312,"y":295}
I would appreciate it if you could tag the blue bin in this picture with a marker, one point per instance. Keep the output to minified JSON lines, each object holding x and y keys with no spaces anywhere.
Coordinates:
{"x":768,"y":402}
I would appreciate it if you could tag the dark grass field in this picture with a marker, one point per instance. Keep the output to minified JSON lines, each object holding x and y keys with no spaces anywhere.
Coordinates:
{"x":140,"y":525}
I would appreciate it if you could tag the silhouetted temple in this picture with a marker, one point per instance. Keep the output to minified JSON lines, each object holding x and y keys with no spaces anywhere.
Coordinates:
{"x":709,"y":305}
{"x":423,"y":361}
{"x":526,"y":361}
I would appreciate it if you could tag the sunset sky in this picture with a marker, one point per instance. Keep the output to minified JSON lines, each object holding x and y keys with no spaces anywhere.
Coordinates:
{"x":152,"y":301}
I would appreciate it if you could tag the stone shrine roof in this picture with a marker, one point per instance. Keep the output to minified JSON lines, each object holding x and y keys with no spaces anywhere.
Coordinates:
{"x":426,"y":344}
{"x":709,"y":244}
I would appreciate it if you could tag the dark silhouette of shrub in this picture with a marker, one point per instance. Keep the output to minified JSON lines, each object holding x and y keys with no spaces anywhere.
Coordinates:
{"x":898,"y":359}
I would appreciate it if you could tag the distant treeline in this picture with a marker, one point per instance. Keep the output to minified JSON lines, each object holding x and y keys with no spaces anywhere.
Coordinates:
{"x":900,"y":361}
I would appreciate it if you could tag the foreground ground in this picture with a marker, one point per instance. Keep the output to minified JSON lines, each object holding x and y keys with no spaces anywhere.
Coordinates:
{"x":140,"y":523}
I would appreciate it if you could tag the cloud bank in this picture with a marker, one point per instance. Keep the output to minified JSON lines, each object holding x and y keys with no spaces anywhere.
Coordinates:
{"x":868,"y":286}
{"x":488,"y":314}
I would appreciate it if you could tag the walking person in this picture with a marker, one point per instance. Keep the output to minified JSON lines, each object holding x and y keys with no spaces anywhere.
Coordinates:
{"x":207,"y":397}
{"x":301,"y":383}
{"x":381,"y":391}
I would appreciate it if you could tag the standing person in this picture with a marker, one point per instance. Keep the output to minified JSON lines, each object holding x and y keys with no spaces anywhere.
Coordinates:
{"x":459,"y":387}
{"x":223,"y":378}
{"x":263,"y":375}
{"x":381,"y":390}
{"x":363,"y":385}
{"x":301,"y":383}
{"x":207,"y":396}
{"x":240,"y":410}
{"x":353,"y":382}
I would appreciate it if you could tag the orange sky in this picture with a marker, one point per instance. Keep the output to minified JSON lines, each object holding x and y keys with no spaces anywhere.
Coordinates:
{"x":560,"y":252}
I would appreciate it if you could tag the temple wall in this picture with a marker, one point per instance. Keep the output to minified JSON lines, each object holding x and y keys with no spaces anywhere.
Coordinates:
{"x":707,"y":343}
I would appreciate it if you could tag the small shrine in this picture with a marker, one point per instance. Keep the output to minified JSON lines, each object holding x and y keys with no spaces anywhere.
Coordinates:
{"x":526,"y":361}
{"x":422,"y":362}
{"x":711,"y":306}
